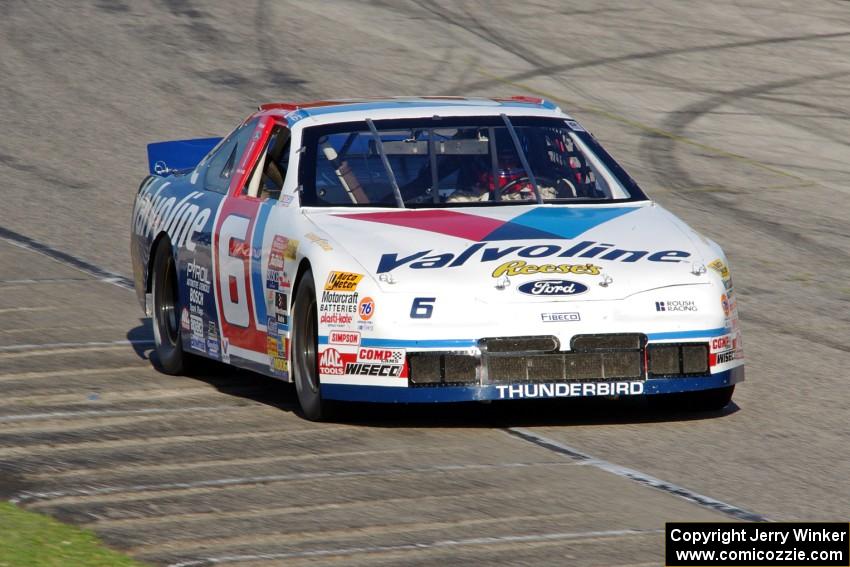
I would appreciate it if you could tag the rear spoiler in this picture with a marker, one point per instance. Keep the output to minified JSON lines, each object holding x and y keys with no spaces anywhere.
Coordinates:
{"x":166,"y":158}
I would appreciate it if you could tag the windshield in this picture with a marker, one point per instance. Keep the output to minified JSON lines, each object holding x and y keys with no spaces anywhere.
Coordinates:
{"x":458,"y":162}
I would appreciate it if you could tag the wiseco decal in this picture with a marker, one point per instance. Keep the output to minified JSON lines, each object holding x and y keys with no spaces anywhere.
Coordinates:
{"x":426,"y":259}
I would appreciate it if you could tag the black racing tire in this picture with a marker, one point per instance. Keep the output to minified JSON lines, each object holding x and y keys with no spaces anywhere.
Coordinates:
{"x":165,"y":293}
{"x":305,"y":350}
{"x":704,"y":400}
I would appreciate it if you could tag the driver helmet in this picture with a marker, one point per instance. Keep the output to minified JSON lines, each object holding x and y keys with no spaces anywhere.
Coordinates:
{"x":510,"y":169}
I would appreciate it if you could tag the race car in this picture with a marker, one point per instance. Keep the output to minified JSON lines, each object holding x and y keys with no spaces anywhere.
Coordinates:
{"x":431,"y":249}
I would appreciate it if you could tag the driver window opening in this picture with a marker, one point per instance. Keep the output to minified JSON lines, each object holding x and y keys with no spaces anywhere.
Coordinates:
{"x":270,"y":172}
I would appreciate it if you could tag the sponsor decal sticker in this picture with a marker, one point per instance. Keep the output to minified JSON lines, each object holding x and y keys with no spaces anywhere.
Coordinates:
{"x":344,"y":338}
{"x":319,"y":241}
{"x":366,"y":308}
{"x":367,"y":369}
{"x":547,"y":288}
{"x":198,"y":281}
{"x":225,"y":350}
{"x":330,"y":362}
{"x":342,"y":281}
{"x":560,"y":317}
{"x":385,"y":355}
{"x":523,"y":268}
{"x":212,"y":339}
{"x":197,"y":341}
{"x":676,"y":305}
{"x":337,"y":309}
{"x":720,"y":267}
{"x":480,"y":252}
{"x":181,"y":220}
{"x":569,"y":390}
{"x":184,"y":320}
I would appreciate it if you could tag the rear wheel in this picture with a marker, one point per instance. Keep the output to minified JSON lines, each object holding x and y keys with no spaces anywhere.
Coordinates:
{"x":166,"y":312}
{"x":704,"y":400}
{"x":305,"y":350}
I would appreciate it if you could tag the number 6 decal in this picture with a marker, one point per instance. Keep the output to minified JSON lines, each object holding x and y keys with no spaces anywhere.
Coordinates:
{"x":232,"y":270}
{"x":422,"y":308}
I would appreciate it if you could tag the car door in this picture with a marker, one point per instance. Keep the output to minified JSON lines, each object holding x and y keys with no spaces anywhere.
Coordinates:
{"x":211,"y":180}
{"x":273,"y":253}
{"x":239,"y":247}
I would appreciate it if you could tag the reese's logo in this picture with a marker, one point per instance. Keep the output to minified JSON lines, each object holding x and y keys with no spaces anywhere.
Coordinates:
{"x":523,"y":268}
{"x":342,"y":281}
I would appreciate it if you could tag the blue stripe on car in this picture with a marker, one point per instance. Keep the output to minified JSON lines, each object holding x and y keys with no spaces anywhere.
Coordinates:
{"x":430,"y":394}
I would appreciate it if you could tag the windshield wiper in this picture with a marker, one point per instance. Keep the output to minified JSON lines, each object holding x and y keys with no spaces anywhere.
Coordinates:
{"x":522,"y":158}
{"x":390,"y":175}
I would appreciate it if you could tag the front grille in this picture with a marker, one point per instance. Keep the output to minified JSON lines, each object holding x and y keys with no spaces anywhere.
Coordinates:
{"x":677,"y":360}
{"x":529,"y":359}
{"x":440,"y":369}
{"x":560,"y":367}
{"x":593,"y":358}
{"x":544,"y":343}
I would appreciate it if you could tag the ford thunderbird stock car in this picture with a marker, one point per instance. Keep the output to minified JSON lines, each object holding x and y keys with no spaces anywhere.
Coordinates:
{"x":435,"y":249}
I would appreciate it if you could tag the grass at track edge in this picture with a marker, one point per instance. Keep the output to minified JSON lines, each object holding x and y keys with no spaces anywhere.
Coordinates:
{"x":27,"y":538}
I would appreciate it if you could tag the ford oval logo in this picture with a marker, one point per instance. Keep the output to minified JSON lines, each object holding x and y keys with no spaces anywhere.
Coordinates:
{"x":552,"y":287}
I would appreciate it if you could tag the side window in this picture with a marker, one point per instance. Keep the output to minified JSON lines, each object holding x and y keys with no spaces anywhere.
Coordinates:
{"x":266,"y":182}
{"x":220,"y":167}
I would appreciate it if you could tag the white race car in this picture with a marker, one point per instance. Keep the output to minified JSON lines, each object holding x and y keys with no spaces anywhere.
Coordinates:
{"x":428,"y":250}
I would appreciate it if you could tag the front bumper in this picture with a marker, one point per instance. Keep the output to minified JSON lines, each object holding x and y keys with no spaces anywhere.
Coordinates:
{"x":443,"y":394}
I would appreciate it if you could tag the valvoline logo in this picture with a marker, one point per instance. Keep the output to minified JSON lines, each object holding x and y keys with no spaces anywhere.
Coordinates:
{"x":546,"y":288}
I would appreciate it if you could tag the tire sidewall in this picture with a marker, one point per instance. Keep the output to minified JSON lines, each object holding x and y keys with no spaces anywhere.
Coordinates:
{"x":170,"y":354}
{"x":305,"y":375}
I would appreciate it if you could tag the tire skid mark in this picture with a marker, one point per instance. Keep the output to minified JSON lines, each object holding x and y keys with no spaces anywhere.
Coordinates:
{"x":279,"y":511}
{"x":12,"y":351}
{"x":652,"y":54}
{"x":70,"y":372}
{"x":193,"y":465}
{"x":149,"y":441}
{"x":85,"y":492}
{"x":637,"y":476}
{"x":155,"y":392}
{"x":295,"y":538}
{"x":115,"y":417}
{"x":439,"y":544}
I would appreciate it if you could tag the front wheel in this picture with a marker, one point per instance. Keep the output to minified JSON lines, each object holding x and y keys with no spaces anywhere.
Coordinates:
{"x":305,"y":350}
{"x":166,"y":312}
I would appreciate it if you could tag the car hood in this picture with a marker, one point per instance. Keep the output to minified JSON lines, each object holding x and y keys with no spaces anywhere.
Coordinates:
{"x":518,"y":253}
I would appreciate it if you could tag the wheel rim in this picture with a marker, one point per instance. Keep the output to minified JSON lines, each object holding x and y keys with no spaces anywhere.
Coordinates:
{"x":167,"y":306}
{"x":307,"y":348}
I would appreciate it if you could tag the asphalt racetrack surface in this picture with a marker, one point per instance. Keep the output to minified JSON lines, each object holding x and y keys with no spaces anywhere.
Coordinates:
{"x":735,"y":115}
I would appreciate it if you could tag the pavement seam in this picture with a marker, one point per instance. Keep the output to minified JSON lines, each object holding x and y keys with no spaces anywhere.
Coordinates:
{"x":636,"y":476}
{"x":28,"y":496}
